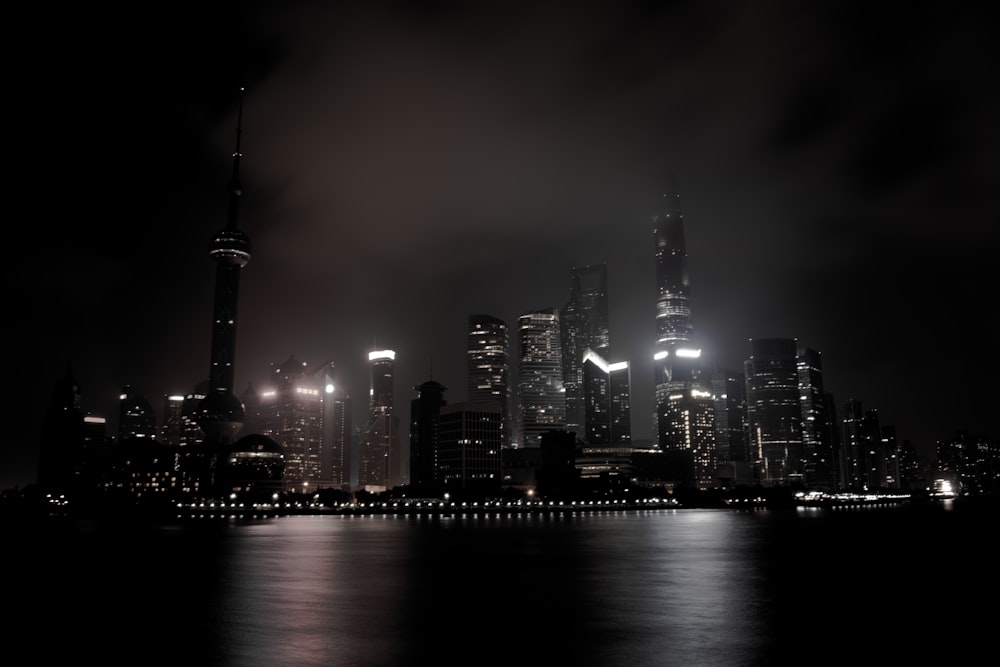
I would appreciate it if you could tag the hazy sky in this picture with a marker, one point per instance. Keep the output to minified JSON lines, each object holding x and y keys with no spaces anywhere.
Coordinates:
{"x":403,"y":168}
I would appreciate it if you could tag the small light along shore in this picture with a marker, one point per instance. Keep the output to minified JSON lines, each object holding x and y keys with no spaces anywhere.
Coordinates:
{"x":281,"y":506}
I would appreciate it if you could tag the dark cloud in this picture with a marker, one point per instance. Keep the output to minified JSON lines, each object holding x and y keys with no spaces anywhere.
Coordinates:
{"x":408,"y":164}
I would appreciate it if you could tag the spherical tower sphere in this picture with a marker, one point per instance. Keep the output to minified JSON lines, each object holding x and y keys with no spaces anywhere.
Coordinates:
{"x":253,"y":464}
{"x":230,"y":245}
{"x":220,"y":416}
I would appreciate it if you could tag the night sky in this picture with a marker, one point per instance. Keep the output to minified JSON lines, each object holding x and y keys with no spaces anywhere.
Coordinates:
{"x":408,"y":164}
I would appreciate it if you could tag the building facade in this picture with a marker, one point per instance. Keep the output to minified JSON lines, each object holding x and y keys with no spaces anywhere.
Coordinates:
{"x":469,"y":448}
{"x":774,"y":411}
{"x":291,"y":413}
{"x":731,"y":442}
{"x":541,"y":398}
{"x":425,"y":414}
{"x":607,"y":401}
{"x":488,"y":367}
{"x":682,"y":414}
{"x":583,"y":323}
{"x":380,"y":461}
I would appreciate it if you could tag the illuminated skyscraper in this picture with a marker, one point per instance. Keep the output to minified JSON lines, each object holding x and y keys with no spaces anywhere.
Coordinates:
{"x":674,"y":326}
{"x":488,"y":363}
{"x":685,"y":412}
{"x":540,"y":385}
{"x":869,"y":455}
{"x":291,"y":413}
{"x":136,"y":418}
{"x":774,"y":411}
{"x":468,"y":456}
{"x":341,"y":431}
{"x":220,"y":413}
{"x":583,"y":326}
{"x":172,"y":426}
{"x":817,"y":447}
{"x":335,"y":463}
{"x":607,"y":401}
{"x":380,"y":467}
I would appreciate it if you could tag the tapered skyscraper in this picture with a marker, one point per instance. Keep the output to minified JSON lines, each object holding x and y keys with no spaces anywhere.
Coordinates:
{"x":673,"y":298}
{"x":684,"y":409}
{"x":220,"y":413}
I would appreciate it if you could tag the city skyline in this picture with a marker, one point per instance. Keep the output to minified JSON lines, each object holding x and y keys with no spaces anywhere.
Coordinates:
{"x":400,"y":175}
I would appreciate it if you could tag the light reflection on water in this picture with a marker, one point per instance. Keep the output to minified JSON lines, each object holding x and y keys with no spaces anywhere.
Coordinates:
{"x":658,"y":587}
{"x":615,"y":588}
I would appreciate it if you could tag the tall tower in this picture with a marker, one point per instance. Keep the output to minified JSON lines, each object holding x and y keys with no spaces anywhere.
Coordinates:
{"x":685,"y":413}
{"x":673,"y":307}
{"x":380,"y":467}
{"x":584,"y":326}
{"x":675,"y":361}
{"x":220,"y":413}
{"x":488,"y":365}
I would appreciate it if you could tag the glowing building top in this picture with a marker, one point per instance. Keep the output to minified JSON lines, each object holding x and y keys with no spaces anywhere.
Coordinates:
{"x":673,"y":307}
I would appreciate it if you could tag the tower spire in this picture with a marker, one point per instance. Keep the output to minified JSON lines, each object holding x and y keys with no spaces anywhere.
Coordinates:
{"x":235,"y":189}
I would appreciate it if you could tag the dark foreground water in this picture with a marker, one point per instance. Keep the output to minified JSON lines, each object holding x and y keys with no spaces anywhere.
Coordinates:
{"x":905,"y":585}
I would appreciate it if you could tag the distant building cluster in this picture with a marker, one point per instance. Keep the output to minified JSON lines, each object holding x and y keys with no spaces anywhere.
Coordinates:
{"x":548,"y":412}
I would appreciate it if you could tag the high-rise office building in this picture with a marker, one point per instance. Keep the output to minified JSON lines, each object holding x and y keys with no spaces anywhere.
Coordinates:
{"x":136,"y":418}
{"x":191,"y":433}
{"x":729,"y":393}
{"x":774,"y":410}
{"x":607,"y":401}
{"x":583,"y":323}
{"x":291,"y":413}
{"x":469,"y":448}
{"x":335,"y":459}
{"x":172,"y":426}
{"x":542,"y":400}
{"x":817,"y":449}
{"x":687,"y":421}
{"x":341,"y":429}
{"x":869,"y":451}
{"x":425,"y":412}
{"x":380,"y":464}
{"x":892,"y":458}
{"x":61,"y":455}
{"x":220,"y":413}
{"x":488,"y":366}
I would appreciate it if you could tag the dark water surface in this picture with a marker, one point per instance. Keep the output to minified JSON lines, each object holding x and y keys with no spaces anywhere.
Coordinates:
{"x":903,"y":585}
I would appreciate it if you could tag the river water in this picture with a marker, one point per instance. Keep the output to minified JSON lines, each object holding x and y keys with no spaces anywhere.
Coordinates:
{"x":906,"y":584}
